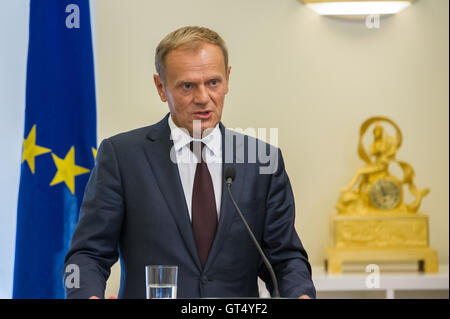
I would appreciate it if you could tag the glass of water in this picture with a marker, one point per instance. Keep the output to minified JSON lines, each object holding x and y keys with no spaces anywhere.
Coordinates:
{"x":161,"y":281}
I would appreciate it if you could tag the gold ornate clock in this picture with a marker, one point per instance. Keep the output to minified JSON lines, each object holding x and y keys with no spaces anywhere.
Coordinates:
{"x":373,"y":221}
{"x":385,"y":194}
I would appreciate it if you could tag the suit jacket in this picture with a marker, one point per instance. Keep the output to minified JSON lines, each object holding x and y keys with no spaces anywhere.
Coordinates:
{"x":134,"y":208}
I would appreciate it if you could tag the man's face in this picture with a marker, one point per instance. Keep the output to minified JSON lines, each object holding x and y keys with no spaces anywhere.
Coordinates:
{"x":195,"y":85}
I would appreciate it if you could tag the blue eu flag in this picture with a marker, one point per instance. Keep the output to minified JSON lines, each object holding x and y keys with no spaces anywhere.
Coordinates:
{"x":59,"y":145}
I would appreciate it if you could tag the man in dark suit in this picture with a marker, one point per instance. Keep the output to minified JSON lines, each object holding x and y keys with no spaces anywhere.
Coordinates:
{"x":157,"y":195}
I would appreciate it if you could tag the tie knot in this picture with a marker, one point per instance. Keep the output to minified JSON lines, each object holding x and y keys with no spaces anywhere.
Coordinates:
{"x":197,"y":148}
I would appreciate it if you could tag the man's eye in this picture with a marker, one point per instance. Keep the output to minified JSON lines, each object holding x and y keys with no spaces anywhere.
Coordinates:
{"x":213,"y":82}
{"x":187,"y":86}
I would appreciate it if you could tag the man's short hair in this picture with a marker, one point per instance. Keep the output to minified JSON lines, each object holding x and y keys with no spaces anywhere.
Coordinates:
{"x":189,"y":36}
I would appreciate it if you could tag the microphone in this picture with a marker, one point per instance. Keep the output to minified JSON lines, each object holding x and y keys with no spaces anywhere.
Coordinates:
{"x":230,"y":174}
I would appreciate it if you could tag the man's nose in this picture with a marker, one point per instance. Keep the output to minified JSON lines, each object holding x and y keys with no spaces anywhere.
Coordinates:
{"x":201,"y":95}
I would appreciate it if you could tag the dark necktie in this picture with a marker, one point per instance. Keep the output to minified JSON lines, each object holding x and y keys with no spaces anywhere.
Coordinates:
{"x":204,"y":212}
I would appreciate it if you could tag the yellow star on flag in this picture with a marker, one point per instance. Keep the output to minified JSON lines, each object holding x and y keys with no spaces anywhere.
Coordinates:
{"x":31,"y":150}
{"x":94,"y":153}
{"x":67,"y":170}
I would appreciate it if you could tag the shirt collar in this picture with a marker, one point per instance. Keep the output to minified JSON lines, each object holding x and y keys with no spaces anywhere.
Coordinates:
{"x":181,"y":138}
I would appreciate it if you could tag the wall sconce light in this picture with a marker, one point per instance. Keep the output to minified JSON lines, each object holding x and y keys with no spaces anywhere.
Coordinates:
{"x":356,"y":7}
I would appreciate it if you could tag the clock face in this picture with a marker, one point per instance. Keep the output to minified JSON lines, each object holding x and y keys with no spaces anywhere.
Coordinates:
{"x":385,"y":194}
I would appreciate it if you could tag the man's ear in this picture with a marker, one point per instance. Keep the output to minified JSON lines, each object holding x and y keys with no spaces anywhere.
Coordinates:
{"x":228,"y":79}
{"x":160,"y":87}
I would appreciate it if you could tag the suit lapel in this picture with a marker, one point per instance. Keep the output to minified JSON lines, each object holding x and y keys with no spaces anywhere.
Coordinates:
{"x":227,"y":209}
{"x":157,"y":149}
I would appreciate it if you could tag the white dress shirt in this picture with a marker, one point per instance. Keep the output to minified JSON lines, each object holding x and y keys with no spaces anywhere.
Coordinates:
{"x":187,"y":162}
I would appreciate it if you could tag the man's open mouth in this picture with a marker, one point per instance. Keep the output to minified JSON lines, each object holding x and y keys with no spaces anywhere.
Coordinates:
{"x":203,"y":115}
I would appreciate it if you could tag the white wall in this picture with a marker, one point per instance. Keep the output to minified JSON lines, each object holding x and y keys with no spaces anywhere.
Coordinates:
{"x":13,"y":58}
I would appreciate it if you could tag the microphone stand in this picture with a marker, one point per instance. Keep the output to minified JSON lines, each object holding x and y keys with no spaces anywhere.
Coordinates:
{"x":276,"y":293}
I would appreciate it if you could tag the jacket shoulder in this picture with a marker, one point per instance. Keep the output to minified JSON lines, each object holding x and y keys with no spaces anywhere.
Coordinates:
{"x":139,"y":135}
{"x":129,"y":136}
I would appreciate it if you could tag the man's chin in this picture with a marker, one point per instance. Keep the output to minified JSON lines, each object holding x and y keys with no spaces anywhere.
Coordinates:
{"x":204,"y":129}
